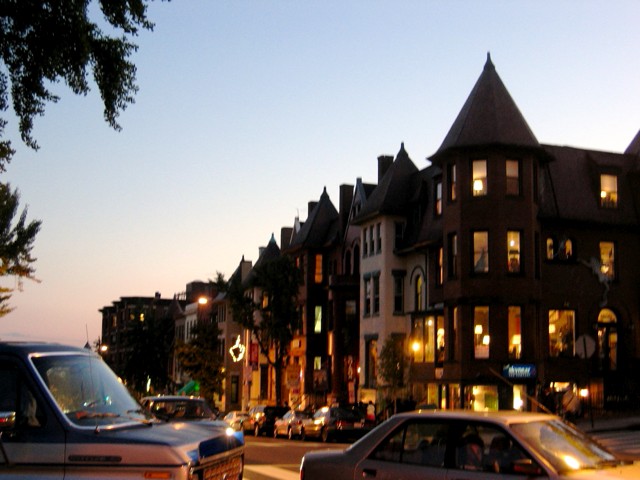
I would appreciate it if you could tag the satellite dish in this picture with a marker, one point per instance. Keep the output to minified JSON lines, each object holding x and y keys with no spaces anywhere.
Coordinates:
{"x":585,"y":346}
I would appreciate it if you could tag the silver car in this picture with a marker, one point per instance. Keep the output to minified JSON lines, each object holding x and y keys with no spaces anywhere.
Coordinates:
{"x":465,"y":445}
{"x":291,"y":424}
{"x":238,"y":420}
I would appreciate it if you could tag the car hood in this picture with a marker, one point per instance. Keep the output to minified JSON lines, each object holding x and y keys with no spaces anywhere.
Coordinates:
{"x":176,"y":443}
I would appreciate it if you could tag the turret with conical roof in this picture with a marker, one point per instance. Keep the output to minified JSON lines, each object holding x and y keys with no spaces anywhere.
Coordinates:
{"x":634,"y":146}
{"x":488,"y":117}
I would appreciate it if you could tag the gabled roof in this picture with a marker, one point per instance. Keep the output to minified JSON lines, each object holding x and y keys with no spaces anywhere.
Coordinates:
{"x":321,"y":227}
{"x":396,"y":189}
{"x":488,"y":117}
{"x":634,"y":146}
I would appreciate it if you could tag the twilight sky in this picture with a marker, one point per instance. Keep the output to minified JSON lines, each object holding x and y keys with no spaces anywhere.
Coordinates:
{"x":248,"y":109}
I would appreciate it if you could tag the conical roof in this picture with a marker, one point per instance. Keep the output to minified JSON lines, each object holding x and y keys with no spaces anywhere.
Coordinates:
{"x":394,"y":191}
{"x":489,"y":117}
{"x":634,"y":146}
{"x":320,"y":228}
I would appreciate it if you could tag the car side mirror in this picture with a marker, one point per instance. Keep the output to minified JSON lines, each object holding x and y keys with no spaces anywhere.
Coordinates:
{"x":7,"y":420}
{"x":526,"y":466}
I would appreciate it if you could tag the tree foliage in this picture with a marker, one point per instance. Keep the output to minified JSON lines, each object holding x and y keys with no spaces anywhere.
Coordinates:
{"x":149,"y":344}
{"x":272,"y":319}
{"x":44,"y":42}
{"x":16,"y":243}
{"x":393,"y":362}
{"x":201,"y":360}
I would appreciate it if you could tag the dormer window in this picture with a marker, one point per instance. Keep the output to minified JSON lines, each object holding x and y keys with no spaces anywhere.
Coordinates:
{"x":608,"y":191}
{"x":479,"y":178}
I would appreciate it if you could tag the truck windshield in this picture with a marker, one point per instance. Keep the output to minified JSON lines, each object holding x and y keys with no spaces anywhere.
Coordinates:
{"x":87,"y":391}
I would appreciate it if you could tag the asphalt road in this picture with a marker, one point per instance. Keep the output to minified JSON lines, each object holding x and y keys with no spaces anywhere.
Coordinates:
{"x":269,"y":459}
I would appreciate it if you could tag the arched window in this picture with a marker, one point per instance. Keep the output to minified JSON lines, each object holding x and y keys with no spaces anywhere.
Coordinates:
{"x":607,"y":340}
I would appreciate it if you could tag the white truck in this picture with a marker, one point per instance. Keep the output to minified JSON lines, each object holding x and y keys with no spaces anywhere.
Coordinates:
{"x":65,"y":415}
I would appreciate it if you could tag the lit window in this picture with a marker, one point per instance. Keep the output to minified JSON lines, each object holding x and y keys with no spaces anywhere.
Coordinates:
{"x":608,"y":191}
{"x":438,"y":198}
{"x":515,"y":335}
{"x":480,"y":252}
{"x":550,"y":247}
{"x":607,"y":259}
{"x":513,"y":251}
{"x":417,"y":340}
{"x":440,"y":278}
{"x":561,"y":333}
{"x":479,"y":178}
{"x":440,"y":340}
{"x":513,"y":177}
{"x":452,"y":182}
{"x":318,"y":272}
{"x":608,"y":339}
{"x":419,"y":305}
{"x":317,"y":322}
{"x":481,"y":338}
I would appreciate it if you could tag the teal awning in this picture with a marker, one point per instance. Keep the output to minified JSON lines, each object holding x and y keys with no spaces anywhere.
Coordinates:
{"x":189,"y":388}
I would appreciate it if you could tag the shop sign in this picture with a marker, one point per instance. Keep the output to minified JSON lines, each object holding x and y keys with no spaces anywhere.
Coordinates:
{"x":519,"y":371}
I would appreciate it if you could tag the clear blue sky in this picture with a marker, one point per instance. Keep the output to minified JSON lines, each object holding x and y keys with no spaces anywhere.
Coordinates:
{"x":248,"y":109}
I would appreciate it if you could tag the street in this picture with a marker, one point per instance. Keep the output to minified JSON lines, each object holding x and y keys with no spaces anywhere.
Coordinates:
{"x":626,"y":443}
{"x":270,"y":459}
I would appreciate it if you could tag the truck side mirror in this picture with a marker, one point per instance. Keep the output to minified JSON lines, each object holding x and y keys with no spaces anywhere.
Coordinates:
{"x":7,"y":420}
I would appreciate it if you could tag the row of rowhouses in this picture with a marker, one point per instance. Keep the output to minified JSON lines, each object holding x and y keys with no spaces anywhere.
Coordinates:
{"x":504,"y":269}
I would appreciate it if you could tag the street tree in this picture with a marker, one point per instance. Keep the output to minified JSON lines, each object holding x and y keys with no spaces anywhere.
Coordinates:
{"x":44,"y":43}
{"x":273,"y":318}
{"x":16,"y":243}
{"x":200,"y":358}
{"x":393,"y":366}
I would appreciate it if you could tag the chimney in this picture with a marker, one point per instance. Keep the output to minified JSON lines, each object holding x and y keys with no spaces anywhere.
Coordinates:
{"x":384,"y":162}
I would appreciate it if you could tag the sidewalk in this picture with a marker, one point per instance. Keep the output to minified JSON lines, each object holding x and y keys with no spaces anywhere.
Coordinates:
{"x":628,"y":421}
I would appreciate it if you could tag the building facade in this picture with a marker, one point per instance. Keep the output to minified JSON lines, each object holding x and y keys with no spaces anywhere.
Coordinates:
{"x":508,"y":267}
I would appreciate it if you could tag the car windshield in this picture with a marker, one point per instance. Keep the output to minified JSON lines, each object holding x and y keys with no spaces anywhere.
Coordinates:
{"x":87,"y":391}
{"x":181,"y":409}
{"x":565,"y":447}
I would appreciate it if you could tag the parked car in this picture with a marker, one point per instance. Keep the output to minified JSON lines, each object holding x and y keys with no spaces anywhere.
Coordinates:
{"x":263,"y":418}
{"x":470,"y":445}
{"x":238,"y":420}
{"x":329,"y":423}
{"x":178,"y":408}
{"x":291,"y":424}
{"x":65,"y":414}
